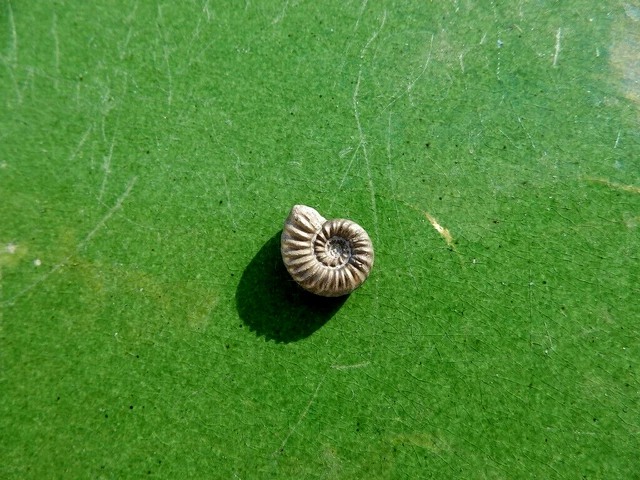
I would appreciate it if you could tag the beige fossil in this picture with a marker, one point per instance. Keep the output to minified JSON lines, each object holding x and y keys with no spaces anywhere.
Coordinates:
{"x":326,"y":257}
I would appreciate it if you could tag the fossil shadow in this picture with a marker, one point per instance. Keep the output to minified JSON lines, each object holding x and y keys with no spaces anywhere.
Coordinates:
{"x":271,"y":304}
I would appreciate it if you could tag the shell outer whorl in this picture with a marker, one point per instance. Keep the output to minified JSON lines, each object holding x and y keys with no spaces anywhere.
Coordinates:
{"x":326,"y":257}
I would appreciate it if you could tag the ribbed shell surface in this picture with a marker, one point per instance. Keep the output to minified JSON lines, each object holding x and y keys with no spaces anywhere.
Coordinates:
{"x":326,"y":257}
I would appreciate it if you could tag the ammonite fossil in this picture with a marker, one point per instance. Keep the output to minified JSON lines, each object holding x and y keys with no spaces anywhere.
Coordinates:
{"x":326,"y":257}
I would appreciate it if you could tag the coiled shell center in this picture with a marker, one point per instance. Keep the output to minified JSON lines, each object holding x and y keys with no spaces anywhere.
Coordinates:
{"x":333,"y":252}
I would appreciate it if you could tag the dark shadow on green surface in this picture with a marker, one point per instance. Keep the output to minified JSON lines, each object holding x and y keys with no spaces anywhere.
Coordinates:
{"x":271,"y":304}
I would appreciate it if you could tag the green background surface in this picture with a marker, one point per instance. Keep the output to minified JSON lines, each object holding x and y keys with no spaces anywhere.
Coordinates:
{"x":149,"y":153}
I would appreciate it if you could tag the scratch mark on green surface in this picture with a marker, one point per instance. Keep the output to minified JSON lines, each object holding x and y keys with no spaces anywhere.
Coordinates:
{"x":79,"y":247}
{"x":165,"y":54}
{"x":13,"y":51}
{"x":169,"y":76}
{"x":617,"y":140}
{"x":549,"y":338}
{"x":557,"y":48}
{"x":281,"y":15}
{"x":362,"y":7}
{"x":499,"y":42}
{"x":302,"y":416}
{"x":530,"y":300}
{"x":346,"y":173}
{"x":526,"y":132}
{"x":54,"y":33}
{"x":196,"y":58}
{"x":349,"y":42}
{"x":13,"y":80}
{"x":106,"y":166}
{"x":11,"y":60}
{"x":374,"y":36}
{"x":81,"y":143}
{"x":128,"y":19}
{"x":372,"y":190}
{"x":348,"y":367}
{"x":238,"y":165}
{"x":228,"y":194}
{"x":413,"y":82}
{"x":205,"y":9}
{"x":392,"y":180}
{"x":363,"y":143}
{"x":125,"y":43}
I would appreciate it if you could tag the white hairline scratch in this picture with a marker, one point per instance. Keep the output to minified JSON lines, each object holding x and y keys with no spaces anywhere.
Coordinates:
{"x":346,"y":172}
{"x":54,"y":33}
{"x":228,"y":194}
{"x":302,"y":415}
{"x":392,"y":182}
{"x":348,"y":367}
{"x":363,"y":142}
{"x":11,"y":61}
{"x":79,"y":247}
{"x":372,"y":190}
{"x":362,"y":7}
{"x":357,"y":115}
{"x":107,"y":169}
{"x":375,"y":34}
{"x":14,"y":36}
{"x":557,"y":49}
{"x":415,"y":80}
{"x":281,"y":15}
{"x":81,"y":142}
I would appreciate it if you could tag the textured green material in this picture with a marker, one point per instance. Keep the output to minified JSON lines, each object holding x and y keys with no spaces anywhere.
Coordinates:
{"x":149,"y":154}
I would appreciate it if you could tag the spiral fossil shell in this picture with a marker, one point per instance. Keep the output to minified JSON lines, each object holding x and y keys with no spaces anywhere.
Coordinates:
{"x":326,"y":257}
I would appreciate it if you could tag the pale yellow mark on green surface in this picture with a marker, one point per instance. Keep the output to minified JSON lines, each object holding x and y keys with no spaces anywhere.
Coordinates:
{"x":619,"y":186}
{"x":77,"y":249}
{"x":632,"y":11}
{"x":632,"y":222}
{"x":331,"y":459}
{"x":11,"y":254}
{"x":422,"y":440}
{"x":625,"y":52}
{"x":444,"y":232}
{"x":198,"y":317}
